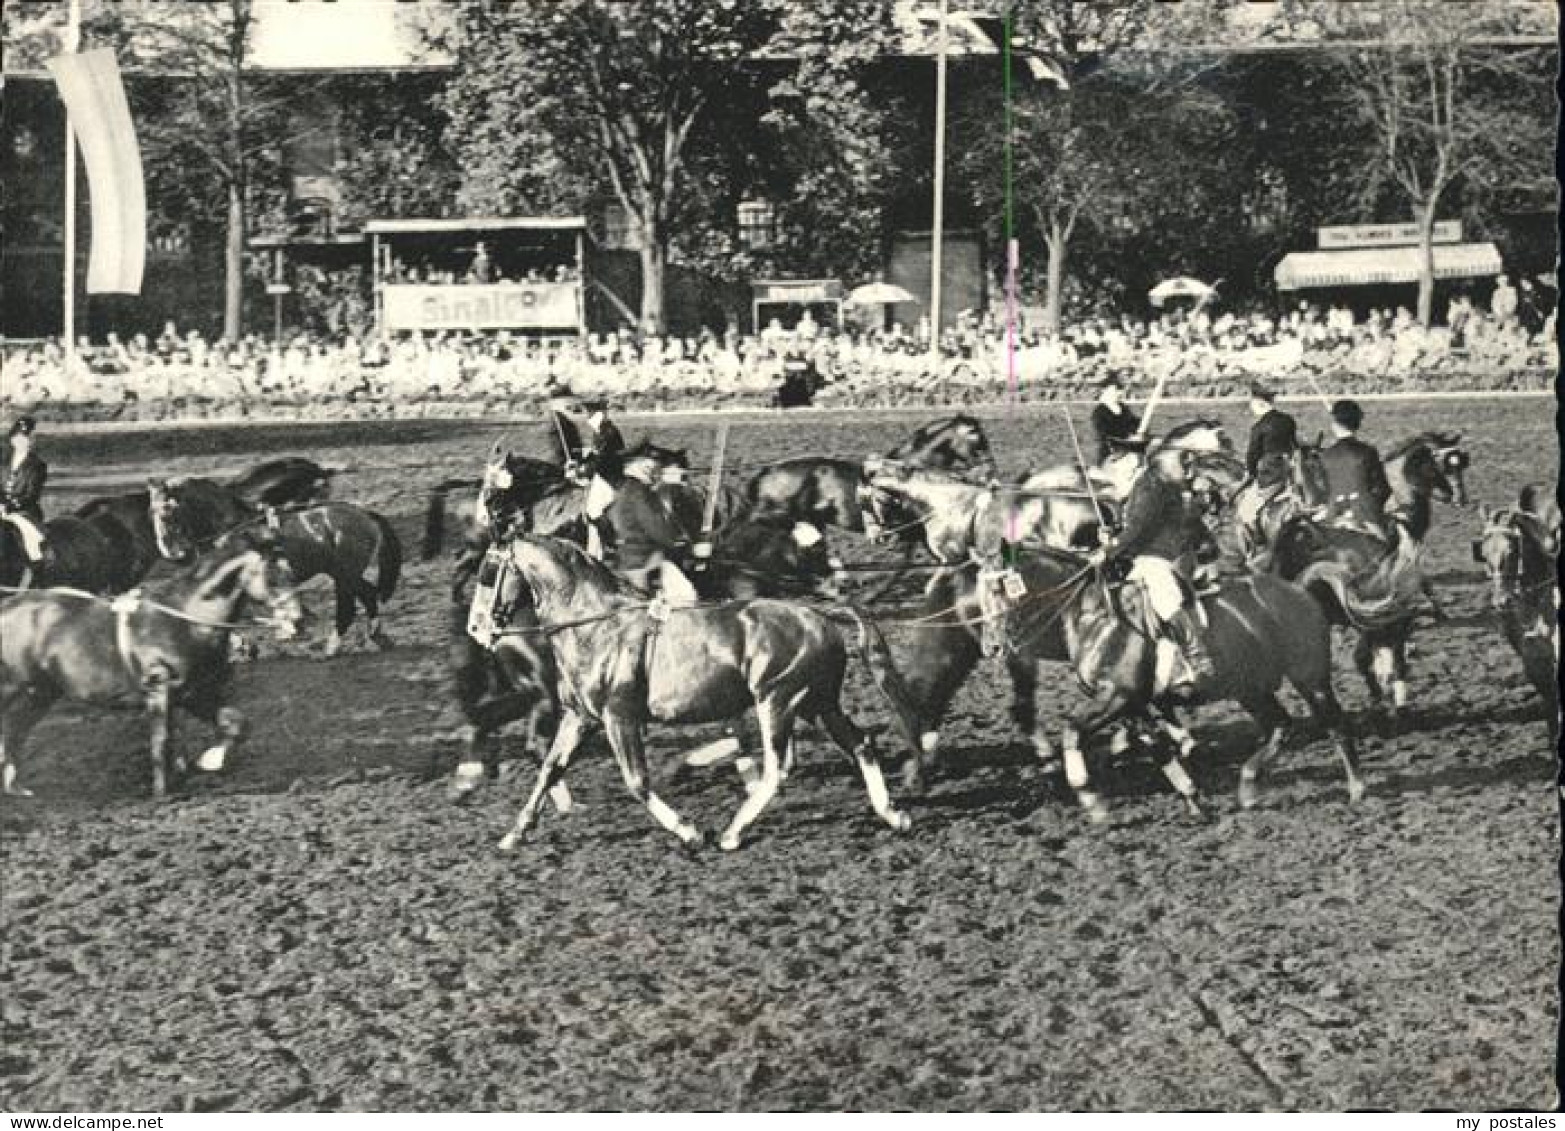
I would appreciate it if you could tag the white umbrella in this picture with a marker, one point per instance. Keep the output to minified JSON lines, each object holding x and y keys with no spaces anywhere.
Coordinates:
{"x":878,"y":294}
{"x":1181,"y":287}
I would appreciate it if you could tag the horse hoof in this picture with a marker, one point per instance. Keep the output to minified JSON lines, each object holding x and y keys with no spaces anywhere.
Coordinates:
{"x":900,"y":821}
{"x":509,"y":841}
{"x":1356,"y":792}
{"x":1096,"y":811}
{"x":913,"y":782}
{"x":696,"y":841}
{"x":1247,"y":796}
{"x":1194,"y":810}
{"x":730,"y":842}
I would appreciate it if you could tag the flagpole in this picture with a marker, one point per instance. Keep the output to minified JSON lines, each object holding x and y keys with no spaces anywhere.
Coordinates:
{"x":72,"y":44}
{"x":937,"y":234}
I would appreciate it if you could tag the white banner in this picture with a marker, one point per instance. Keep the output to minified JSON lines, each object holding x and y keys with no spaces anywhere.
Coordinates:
{"x":481,"y":306}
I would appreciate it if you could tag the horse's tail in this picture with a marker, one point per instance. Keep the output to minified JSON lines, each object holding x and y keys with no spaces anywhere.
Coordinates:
{"x":1386,"y":597}
{"x":883,"y":671}
{"x":388,"y":557}
{"x":435,"y":517}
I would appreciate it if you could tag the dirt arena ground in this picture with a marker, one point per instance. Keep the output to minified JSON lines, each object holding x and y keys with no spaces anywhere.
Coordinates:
{"x":321,"y":929}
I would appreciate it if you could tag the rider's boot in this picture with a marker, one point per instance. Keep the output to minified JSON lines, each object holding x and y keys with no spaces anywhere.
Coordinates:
{"x":1185,"y":631}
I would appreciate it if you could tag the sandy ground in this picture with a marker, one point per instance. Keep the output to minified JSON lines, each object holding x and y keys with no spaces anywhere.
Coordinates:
{"x":320,"y":928}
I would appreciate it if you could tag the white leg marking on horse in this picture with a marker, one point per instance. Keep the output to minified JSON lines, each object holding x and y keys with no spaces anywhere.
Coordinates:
{"x":713,"y":752}
{"x":334,"y":643}
{"x":880,"y":797}
{"x":212,"y":758}
{"x":8,"y":782}
{"x":1399,"y":693}
{"x":1120,"y":742}
{"x":1075,"y":768}
{"x":671,"y":820}
{"x":560,"y":796}
{"x":1178,"y":778}
{"x":929,"y":742}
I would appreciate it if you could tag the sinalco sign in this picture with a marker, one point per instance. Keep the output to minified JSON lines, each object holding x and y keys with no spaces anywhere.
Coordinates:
{"x":493,"y":306}
{"x":1385,"y":235}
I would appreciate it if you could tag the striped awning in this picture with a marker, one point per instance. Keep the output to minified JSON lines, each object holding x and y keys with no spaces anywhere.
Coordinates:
{"x":1363,"y":266}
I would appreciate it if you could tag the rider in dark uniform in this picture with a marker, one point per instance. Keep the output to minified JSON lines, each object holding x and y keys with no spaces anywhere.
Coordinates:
{"x":25,"y":473}
{"x":799,"y":382}
{"x":1114,"y":425}
{"x":1355,"y":478}
{"x":1274,"y":441}
{"x":605,"y":453}
{"x":1274,"y":437}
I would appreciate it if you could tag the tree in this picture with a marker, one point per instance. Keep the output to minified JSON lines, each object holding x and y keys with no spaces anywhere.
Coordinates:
{"x":1089,"y":140}
{"x":211,"y":134}
{"x":1454,"y":104}
{"x":623,"y":85}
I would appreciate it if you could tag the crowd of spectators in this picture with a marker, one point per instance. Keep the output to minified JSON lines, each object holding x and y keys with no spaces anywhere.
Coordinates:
{"x":183,"y":375}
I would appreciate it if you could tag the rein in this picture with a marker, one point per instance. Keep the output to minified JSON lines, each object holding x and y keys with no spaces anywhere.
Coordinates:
{"x":125,"y":603}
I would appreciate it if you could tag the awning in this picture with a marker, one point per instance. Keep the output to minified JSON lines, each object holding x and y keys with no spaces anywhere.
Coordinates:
{"x":1364,"y":266}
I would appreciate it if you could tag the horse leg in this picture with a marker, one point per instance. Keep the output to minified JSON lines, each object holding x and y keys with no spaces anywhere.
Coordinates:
{"x":566,"y":739}
{"x":630,"y":754}
{"x":1174,"y":769}
{"x":370,"y":599}
{"x":19,"y":716}
{"x":1398,"y":652}
{"x":1328,"y":712}
{"x":1024,"y":706}
{"x":1270,"y":716}
{"x":159,"y":699}
{"x":860,"y":747}
{"x":343,"y":591}
{"x":232,"y":729}
{"x":1108,"y":706}
{"x":776,"y":722}
{"x":1364,"y":662}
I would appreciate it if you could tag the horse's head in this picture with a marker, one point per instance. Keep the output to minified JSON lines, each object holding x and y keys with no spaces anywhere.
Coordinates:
{"x":955,"y":444}
{"x":1425,"y":475}
{"x":1309,"y":474}
{"x":809,"y":559}
{"x":1499,"y":550}
{"x":886,"y":501}
{"x":1454,"y":462}
{"x":1200,"y":455}
{"x":170,"y":529}
{"x":250,"y":566}
{"x":652,"y":463}
{"x":497,"y":501}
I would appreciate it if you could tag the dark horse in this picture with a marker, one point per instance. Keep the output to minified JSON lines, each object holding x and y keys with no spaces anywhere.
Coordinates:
{"x":1518,"y":548}
{"x":166,"y":647}
{"x":291,"y":481}
{"x":1366,"y":584}
{"x":826,"y":492}
{"x":624,"y":663}
{"x":337,"y":540}
{"x":110,"y":544}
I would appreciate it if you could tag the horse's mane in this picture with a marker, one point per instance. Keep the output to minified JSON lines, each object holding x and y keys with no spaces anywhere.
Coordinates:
{"x":644,"y":448}
{"x":924,"y":432}
{"x":932,"y":476}
{"x":1180,"y":431}
{"x":1432,"y":440}
{"x":578,"y":561}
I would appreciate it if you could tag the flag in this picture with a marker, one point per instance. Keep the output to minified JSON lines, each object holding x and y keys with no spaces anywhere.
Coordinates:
{"x":94,"y":98}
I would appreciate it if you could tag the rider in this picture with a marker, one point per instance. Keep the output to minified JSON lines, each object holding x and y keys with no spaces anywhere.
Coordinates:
{"x":21,"y":500}
{"x":603,"y":462}
{"x":1155,"y":536}
{"x":1274,"y":442}
{"x":1114,"y":424}
{"x":1356,"y":485}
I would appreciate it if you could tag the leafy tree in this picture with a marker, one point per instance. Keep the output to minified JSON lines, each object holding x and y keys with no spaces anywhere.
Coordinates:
{"x":1454,"y":105}
{"x":1091,"y":135}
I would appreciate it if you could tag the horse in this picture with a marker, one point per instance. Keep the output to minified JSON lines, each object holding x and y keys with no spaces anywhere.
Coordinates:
{"x":510,"y":678}
{"x":1367,"y":585}
{"x":1260,"y":631}
{"x":956,"y":444}
{"x":1450,"y":459}
{"x":509,"y":484}
{"x":825,"y":492}
{"x":947,"y":514}
{"x":1518,"y":550}
{"x":964,"y":615}
{"x":110,"y":543}
{"x":624,"y":662}
{"x":336,"y":540}
{"x":291,"y":481}
{"x":1065,"y":506}
{"x":165,"y":647}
